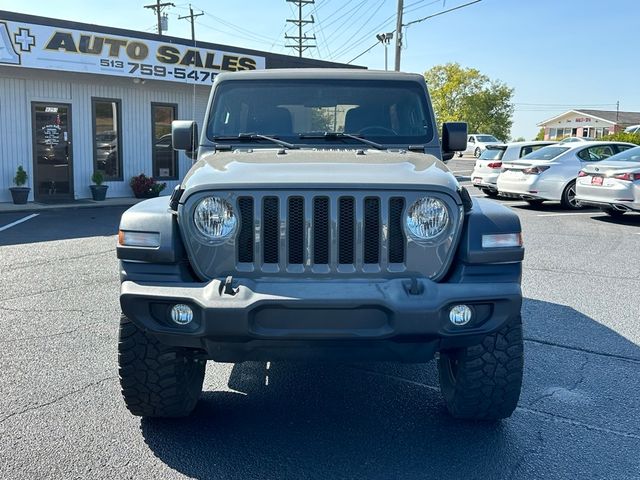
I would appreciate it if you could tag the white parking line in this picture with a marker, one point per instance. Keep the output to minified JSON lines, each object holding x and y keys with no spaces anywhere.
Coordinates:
{"x":18,"y":222}
{"x":566,"y":214}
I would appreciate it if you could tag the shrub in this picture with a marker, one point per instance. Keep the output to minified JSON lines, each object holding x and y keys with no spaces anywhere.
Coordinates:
{"x":21,"y":177}
{"x":97,"y":177}
{"x":622,"y":137}
{"x":146,"y":186}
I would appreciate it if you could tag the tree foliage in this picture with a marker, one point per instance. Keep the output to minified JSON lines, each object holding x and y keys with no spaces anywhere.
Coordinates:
{"x":540,"y":135}
{"x":623,"y":137}
{"x":465,"y":94}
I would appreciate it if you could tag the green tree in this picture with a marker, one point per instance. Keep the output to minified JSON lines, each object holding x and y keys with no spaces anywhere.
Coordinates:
{"x":519,"y":139}
{"x":540,"y":135}
{"x":465,"y":94}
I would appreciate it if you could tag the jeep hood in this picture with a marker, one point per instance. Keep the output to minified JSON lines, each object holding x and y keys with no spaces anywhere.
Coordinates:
{"x":311,"y":168}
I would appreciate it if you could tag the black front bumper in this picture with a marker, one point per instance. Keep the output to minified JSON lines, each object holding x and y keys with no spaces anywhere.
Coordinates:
{"x":357,"y":320}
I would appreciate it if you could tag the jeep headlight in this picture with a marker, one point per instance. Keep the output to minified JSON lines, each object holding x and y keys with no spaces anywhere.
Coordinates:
{"x":427,"y":218}
{"x":214,"y":219}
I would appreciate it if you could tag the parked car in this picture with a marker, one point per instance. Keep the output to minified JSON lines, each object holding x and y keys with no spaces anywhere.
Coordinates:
{"x":614,"y":185}
{"x":550,"y":173}
{"x":632,"y":129}
{"x":477,"y":143}
{"x":489,"y":165}
{"x":576,"y":139}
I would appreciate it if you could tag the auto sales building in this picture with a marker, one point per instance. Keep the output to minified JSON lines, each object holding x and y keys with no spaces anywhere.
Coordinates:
{"x":78,"y":98}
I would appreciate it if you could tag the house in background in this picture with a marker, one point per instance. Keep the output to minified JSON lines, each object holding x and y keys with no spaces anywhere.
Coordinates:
{"x":588,"y":123}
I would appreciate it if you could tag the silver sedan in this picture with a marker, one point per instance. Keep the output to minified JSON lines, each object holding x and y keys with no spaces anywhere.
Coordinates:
{"x":612,"y":185}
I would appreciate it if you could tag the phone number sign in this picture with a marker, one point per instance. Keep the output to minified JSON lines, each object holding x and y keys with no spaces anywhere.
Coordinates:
{"x":53,"y":48}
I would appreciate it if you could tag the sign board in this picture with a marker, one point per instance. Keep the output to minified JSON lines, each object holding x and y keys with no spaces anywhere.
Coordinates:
{"x":53,"y":48}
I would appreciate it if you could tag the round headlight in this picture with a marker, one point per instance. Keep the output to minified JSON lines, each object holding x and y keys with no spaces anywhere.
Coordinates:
{"x":427,"y":218}
{"x":214,"y":218}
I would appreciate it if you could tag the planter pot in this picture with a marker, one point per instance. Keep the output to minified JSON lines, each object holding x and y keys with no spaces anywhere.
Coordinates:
{"x":99,"y":192}
{"x":146,"y":194}
{"x":20,"y":194}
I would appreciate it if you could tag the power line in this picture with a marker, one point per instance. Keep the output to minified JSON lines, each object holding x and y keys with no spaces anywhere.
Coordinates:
{"x":367,"y":50}
{"x":440,"y":13}
{"x":157,"y":8}
{"x":192,"y":20}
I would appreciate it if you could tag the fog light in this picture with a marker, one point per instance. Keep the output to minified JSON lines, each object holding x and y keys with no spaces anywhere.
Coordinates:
{"x":181,"y":314}
{"x":460,"y":315}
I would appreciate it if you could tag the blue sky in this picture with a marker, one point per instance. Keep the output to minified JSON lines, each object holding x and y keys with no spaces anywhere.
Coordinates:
{"x":557,"y":54}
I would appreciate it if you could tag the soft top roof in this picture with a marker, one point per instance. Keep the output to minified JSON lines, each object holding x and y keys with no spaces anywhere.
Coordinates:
{"x":319,"y":74}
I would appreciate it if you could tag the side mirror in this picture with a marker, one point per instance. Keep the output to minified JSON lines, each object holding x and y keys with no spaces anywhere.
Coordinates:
{"x":454,"y":137}
{"x":184,"y":136}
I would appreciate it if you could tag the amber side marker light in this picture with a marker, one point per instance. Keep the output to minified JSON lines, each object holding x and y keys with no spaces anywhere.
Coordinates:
{"x":128,"y":238}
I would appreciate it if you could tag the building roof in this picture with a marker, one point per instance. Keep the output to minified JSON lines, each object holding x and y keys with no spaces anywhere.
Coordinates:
{"x":610,"y":116}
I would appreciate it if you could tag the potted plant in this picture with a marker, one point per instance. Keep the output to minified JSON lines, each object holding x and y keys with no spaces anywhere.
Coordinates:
{"x":20,"y":193}
{"x":146,"y":187}
{"x":98,"y":191}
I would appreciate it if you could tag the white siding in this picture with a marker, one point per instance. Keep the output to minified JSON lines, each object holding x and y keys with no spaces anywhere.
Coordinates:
{"x":20,"y":87}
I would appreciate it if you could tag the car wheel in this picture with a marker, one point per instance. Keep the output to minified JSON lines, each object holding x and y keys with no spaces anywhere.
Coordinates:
{"x":460,"y":154}
{"x":157,"y":380}
{"x":569,"y":199}
{"x":490,"y":193}
{"x":477,"y":152}
{"x":483,"y":382}
{"x":612,"y":212}
{"x":534,"y":203}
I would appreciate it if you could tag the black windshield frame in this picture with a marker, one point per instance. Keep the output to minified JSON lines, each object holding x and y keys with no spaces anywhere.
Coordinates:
{"x":406,"y":87}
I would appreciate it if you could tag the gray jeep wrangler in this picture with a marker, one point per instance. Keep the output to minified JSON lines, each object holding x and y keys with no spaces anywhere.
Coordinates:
{"x":319,"y":222}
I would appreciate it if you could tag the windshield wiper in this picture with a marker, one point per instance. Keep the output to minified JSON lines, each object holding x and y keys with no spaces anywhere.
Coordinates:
{"x":334,"y":135}
{"x":256,"y":136}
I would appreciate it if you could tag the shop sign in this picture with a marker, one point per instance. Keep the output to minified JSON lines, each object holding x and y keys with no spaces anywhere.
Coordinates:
{"x":52,"y":48}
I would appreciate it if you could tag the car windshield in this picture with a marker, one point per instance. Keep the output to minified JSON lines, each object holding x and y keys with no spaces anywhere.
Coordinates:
{"x":486,"y":138}
{"x":391,"y":112}
{"x":546,"y":153}
{"x":493,"y":154}
{"x":631,"y":155}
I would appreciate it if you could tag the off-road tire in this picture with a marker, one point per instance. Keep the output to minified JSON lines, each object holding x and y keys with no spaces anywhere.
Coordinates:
{"x":157,"y":380}
{"x":568,"y":197}
{"x":612,"y":212}
{"x":483,"y":382}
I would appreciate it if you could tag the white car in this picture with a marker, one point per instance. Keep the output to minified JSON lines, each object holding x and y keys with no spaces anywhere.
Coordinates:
{"x":550,"y":173}
{"x":632,"y":129}
{"x":477,"y":143}
{"x":614,"y":185}
{"x":489,"y":165}
{"x":576,"y":139}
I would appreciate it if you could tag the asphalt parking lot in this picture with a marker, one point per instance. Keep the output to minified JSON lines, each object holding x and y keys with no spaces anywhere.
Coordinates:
{"x":61,"y":414}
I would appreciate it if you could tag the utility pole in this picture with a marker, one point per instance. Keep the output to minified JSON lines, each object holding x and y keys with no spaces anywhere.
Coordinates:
{"x":617,"y":111}
{"x":399,"y":34}
{"x":300,"y":38}
{"x":192,"y":20}
{"x":157,"y":8}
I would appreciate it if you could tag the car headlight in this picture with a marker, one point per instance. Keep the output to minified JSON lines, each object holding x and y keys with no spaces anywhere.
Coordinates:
{"x":427,"y":218}
{"x":214,"y":219}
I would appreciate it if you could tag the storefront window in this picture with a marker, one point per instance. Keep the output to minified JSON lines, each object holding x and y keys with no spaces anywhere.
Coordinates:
{"x":165,"y":158}
{"x":107,"y":156}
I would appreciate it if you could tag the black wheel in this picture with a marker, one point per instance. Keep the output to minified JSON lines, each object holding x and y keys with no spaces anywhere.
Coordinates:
{"x":534,"y":203}
{"x":490,"y":193}
{"x":477,"y":152}
{"x":460,"y":154}
{"x":568,"y":199}
{"x":612,"y":212}
{"x":483,"y":382}
{"x":157,"y":380}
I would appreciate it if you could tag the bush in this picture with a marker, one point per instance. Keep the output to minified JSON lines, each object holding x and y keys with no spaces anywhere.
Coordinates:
{"x":144,"y":186}
{"x":21,"y":177}
{"x":97,"y":177}
{"x":622,"y":137}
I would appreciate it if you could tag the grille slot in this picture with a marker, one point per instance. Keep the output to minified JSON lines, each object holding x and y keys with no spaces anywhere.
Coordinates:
{"x":371,"y":236}
{"x":346,"y":230}
{"x":245,"y":236}
{"x":270,"y":230}
{"x":396,"y":234}
{"x":296,"y":230}
{"x":321,"y":230}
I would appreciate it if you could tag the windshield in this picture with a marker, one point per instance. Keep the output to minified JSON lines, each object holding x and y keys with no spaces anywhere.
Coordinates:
{"x":493,"y":154}
{"x":486,"y":138}
{"x":631,"y":155}
{"x":546,"y":153}
{"x":383,"y":111}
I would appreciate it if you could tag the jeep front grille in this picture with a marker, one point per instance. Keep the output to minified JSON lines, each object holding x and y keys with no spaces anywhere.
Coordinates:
{"x":346,"y":233}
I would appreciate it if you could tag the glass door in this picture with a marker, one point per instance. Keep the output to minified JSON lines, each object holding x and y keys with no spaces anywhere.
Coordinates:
{"x":52,"y":152}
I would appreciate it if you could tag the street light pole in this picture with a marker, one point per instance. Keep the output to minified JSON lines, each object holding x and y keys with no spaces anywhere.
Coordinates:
{"x":385,"y":39}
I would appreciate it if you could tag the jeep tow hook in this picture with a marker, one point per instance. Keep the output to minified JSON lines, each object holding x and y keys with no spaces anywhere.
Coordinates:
{"x":226,"y":288}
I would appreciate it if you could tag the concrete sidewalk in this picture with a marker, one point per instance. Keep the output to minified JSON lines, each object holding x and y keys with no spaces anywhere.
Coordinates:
{"x":84,"y":203}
